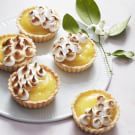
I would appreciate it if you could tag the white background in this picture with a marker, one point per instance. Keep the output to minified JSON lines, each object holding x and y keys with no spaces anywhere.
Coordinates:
{"x":123,"y":82}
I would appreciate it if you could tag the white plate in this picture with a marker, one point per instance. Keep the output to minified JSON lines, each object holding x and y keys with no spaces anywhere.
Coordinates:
{"x":96,"y":77}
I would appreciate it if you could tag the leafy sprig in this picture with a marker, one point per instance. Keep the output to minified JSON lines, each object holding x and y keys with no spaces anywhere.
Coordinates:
{"x":119,"y":28}
{"x":122,"y":54}
{"x":89,"y":13}
{"x":70,"y":24}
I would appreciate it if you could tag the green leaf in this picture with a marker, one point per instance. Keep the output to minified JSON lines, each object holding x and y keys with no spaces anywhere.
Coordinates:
{"x":119,"y":28}
{"x":70,"y":24}
{"x":88,"y":11}
{"x":84,"y":31}
{"x":122,"y":53}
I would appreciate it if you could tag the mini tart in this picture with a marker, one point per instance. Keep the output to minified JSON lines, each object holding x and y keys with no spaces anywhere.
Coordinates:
{"x":36,"y":94}
{"x":37,"y":33}
{"x":86,"y":107}
{"x":16,"y":50}
{"x":84,"y":56}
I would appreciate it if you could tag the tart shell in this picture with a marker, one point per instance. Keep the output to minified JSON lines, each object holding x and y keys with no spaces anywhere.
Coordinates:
{"x":36,"y":38}
{"x":33,"y":104}
{"x":16,"y":66}
{"x":90,"y":129}
{"x":74,"y":69}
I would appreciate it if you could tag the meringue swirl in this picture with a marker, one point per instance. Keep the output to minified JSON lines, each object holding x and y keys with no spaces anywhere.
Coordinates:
{"x":17,"y":49}
{"x":100,"y":115}
{"x":26,"y":77}
{"x":66,"y":48}
{"x":45,"y":17}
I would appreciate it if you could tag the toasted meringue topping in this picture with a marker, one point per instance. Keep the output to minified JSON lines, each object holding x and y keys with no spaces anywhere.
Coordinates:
{"x":26,"y":77}
{"x":29,"y":51}
{"x":110,"y":103}
{"x":8,"y":50}
{"x":9,"y":61}
{"x":8,"y":42}
{"x":96,"y":123}
{"x":34,"y":81}
{"x":99,"y":115}
{"x":100,"y":106}
{"x":89,"y":111}
{"x":25,"y":95}
{"x":100,"y":99}
{"x":19,"y":56}
{"x":106,"y":121}
{"x":41,"y":72}
{"x":17,"y":49}
{"x":45,"y":17}
{"x":19,"y":46}
{"x":108,"y":111}
{"x":66,"y":48}
{"x":84,"y":119}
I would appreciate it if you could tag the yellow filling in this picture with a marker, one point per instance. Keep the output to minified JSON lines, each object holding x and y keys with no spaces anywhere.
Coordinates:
{"x":86,"y":55}
{"x":89,"y":100}
{"x":29,"y":27}
{"x":44,"y":89}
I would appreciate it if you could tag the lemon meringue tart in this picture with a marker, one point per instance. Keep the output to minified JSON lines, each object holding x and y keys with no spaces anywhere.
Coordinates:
{"x":33,"y":86}
{"x":15,"y":51}
{"x":74,"y":53}
{"x":39,"y":23}
{"x":95,"y":111}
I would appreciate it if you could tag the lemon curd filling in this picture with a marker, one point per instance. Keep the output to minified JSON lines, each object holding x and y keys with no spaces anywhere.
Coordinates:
{"x":86,"y":55}
{"x":29,"y":27}
{"x":44,"y":89}
{"x":89,"y":100}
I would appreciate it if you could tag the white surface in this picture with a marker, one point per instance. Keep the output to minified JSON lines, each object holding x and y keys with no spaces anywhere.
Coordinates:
{"x":122,"y":86}
{"x":71,"y":84}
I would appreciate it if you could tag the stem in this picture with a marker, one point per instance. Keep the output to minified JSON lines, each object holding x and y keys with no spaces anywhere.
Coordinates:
{"x":106,"y":59}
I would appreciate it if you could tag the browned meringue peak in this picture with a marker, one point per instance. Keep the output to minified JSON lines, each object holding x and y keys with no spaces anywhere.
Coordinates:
{"x":106,"y":121}
{"x":89,"y":111}
{"x":16,"y":88}
{"x":18,"y":56}
{"x":110,"y":103}
{"x":99,"y":115}
{"x":26,"y":77}
{"x":8,"y":50}
{"x":9,"y":61}
{"x":20,"y":91}
{"x":29,"y":51}
{"x":8,"y":42}
{"x":30,"y":72}
{"x":14,"y":80}
{"x":19,"y":46}
{"x":97,"y":123}
{"x":35,"y":19}
{"x":108,"y":111}
{"x":41,"y":72}
{"x":101,"y":99}
{"x":100,"y":106}
{"x":85,"y":119}
{"x":35,"y":65}
{"x":73,"y":38}
{"x":27,"y":85}
{"x":34,"y":80}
